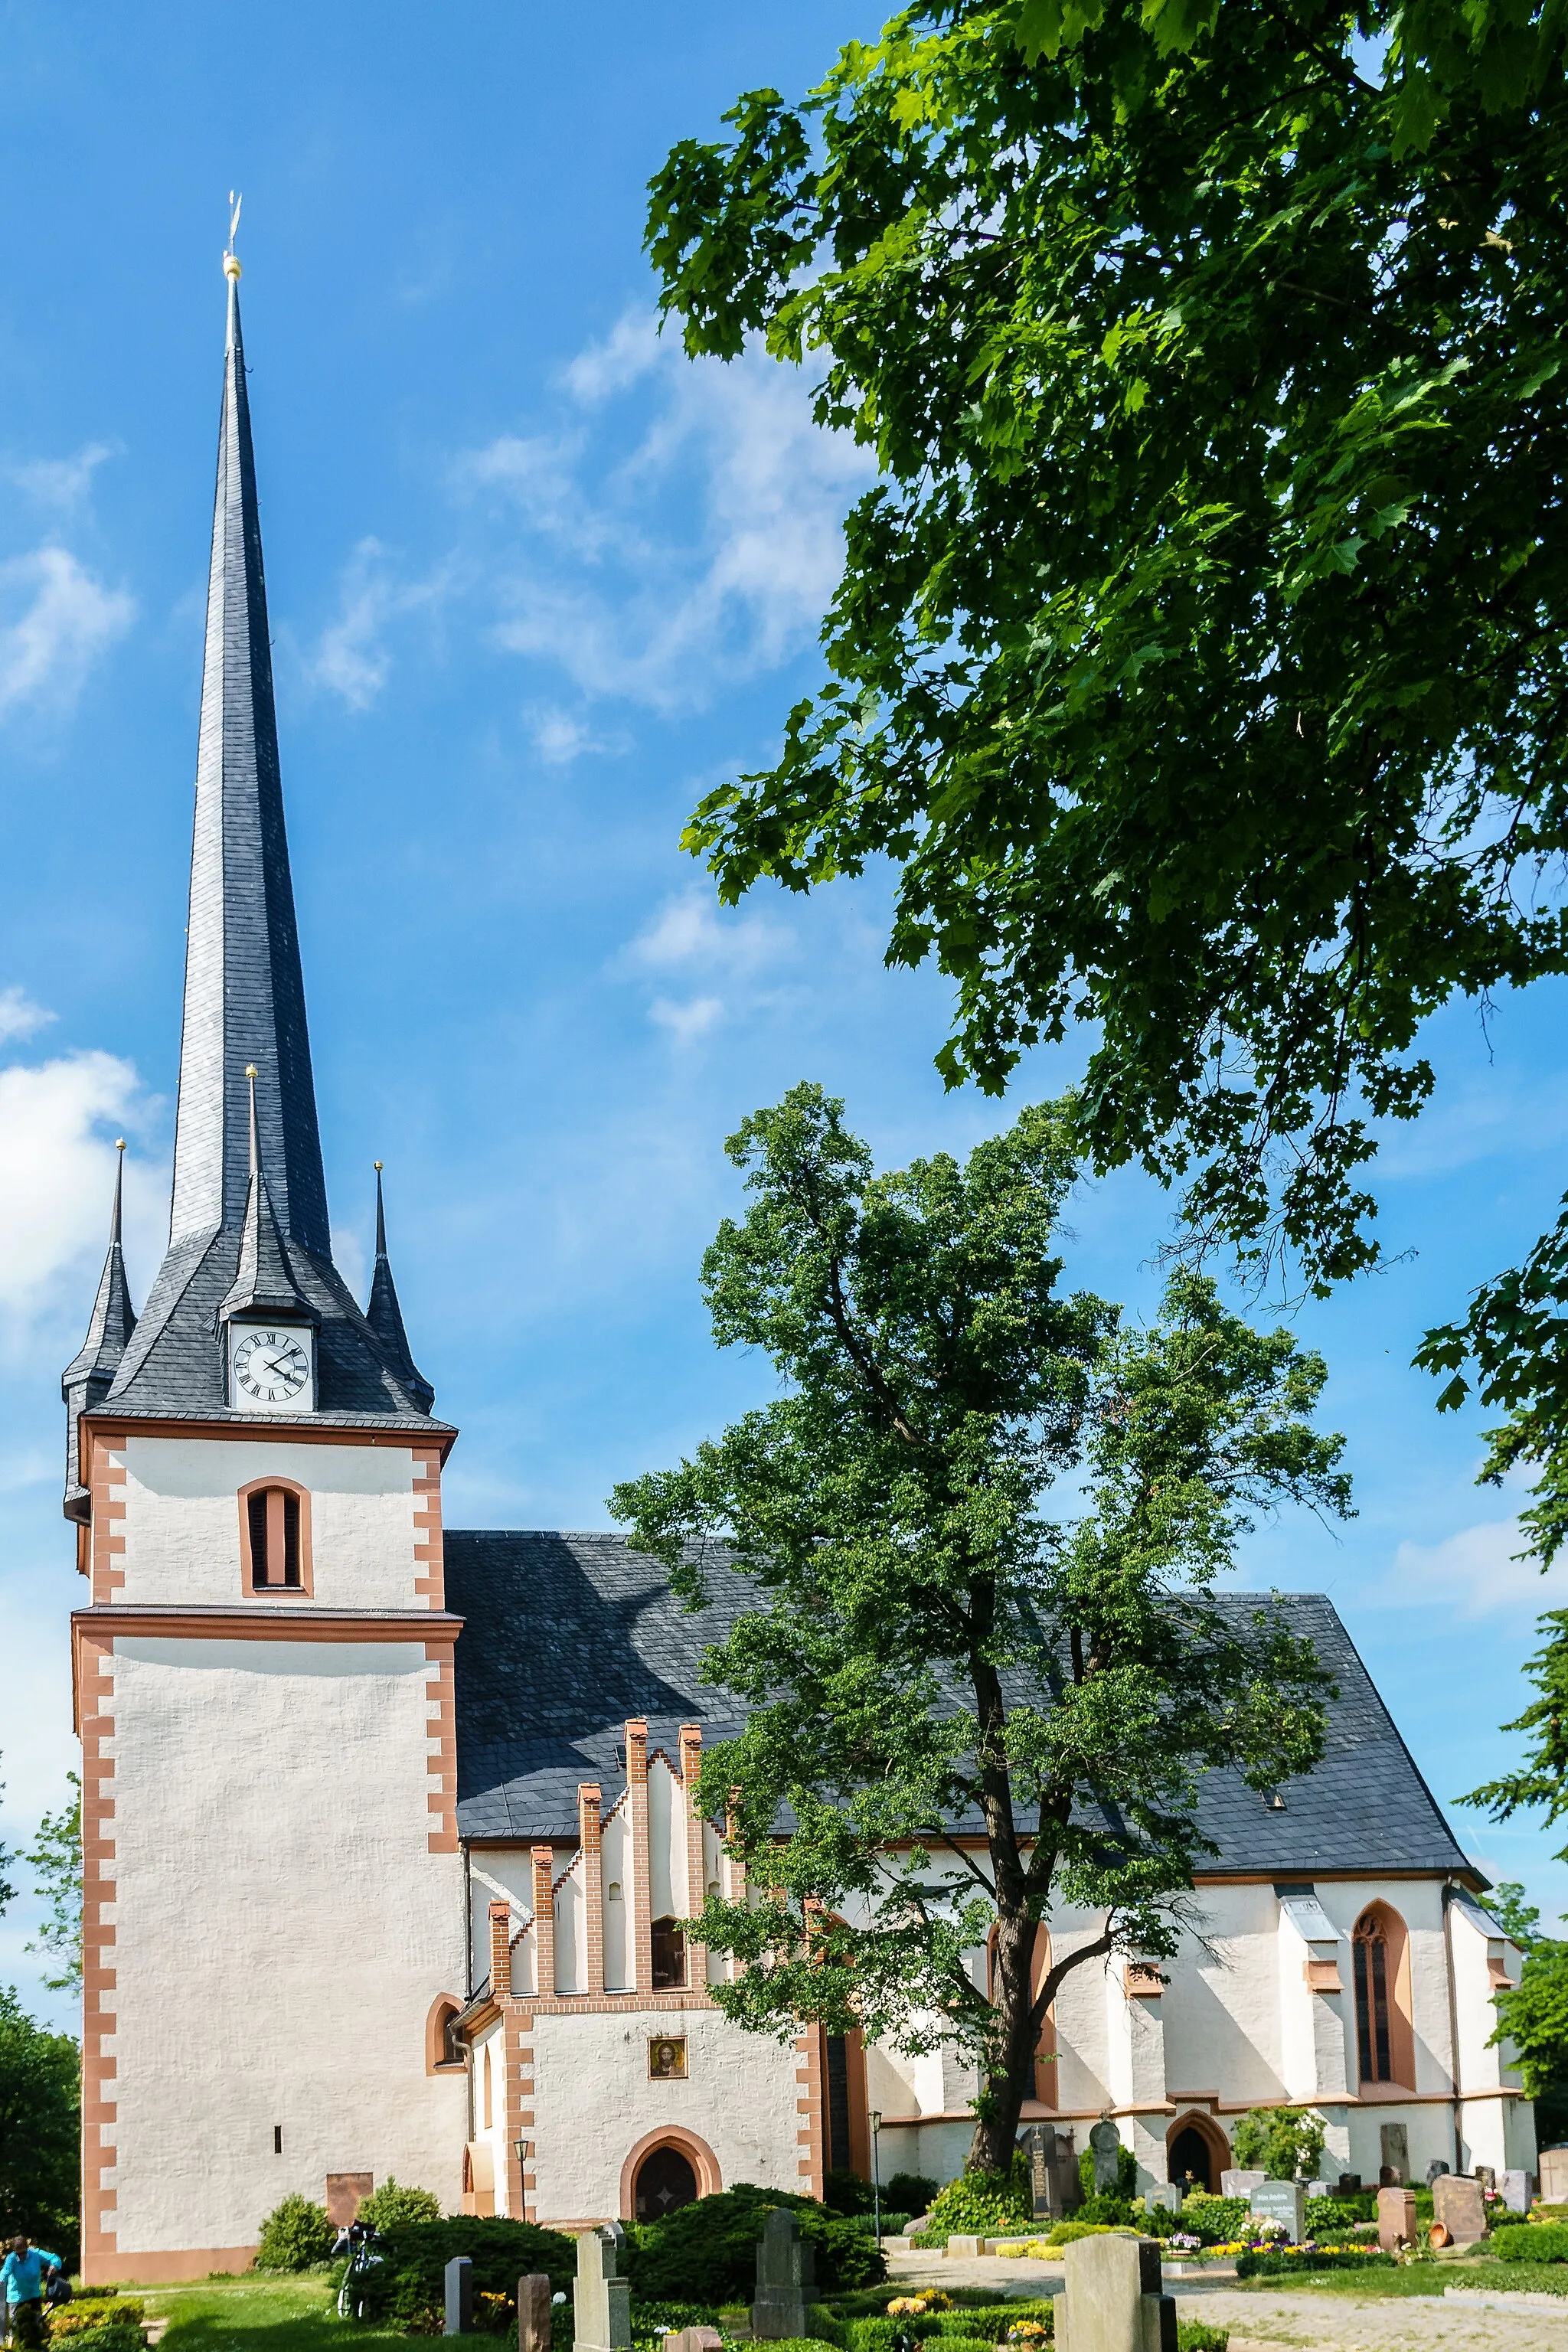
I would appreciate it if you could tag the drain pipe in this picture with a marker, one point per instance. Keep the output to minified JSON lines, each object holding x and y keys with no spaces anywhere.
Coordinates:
{"x":1449,"y":1891}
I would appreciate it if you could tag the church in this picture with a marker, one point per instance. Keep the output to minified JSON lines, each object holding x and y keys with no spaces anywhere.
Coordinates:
{"x":389,"y":1850}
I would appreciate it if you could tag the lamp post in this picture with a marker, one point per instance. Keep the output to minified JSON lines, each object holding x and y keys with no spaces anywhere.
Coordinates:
{"x":524,"y":2150}
{"x":877,"y":2174}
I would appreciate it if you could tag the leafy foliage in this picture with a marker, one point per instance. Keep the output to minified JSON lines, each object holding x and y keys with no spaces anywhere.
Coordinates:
{"x":927,"y":1643}
{"x":1257,"y":2262}
{"x":910,"y":2191}
{"x":294,"y":2235}
{"x":1126,"y":2173}
{"x":1285,"y":2142}
{"x":982,"y":2203}
{"x":708,"y":2250}
{"x":40,"y":2128}
{"x":1530,"y":2242}
{"x":845,"y":2192}
{"x":411,"y":2279}
{"x":55,"y":1855}
{"x":1215,"y":2220}
{"x":392,"y":2206}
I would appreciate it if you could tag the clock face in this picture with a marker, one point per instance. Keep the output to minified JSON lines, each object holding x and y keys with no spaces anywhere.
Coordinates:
{"x":271,"y":1367}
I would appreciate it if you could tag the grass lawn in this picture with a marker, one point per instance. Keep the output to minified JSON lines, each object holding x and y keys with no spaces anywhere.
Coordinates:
{"x":260,"y":2314}
{"x":1422,"y":2278}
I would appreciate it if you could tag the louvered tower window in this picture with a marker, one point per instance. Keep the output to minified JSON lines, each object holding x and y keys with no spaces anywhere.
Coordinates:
{"x":273,"y":1513}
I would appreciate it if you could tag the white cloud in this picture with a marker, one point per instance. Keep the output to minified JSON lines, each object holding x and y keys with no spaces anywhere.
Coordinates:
{"x":56,"y":619}
{"x":559,"y":737}
{"x":1475,"y":1572}
{"x":62,"y":482}
{"x":688,"y":1021}
{"x":57,"y":1174}
{"x":718,"y":953}
{"x":19,"y":1016}
{"x":351,"y":659}
{"x":707,"y":552}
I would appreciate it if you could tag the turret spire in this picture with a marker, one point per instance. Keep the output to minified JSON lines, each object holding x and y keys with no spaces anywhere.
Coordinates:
{"x":244,"y":996}
{"x":265,"y":1284}
{"x":88,"y":1378}
{"x":385,"y":1316}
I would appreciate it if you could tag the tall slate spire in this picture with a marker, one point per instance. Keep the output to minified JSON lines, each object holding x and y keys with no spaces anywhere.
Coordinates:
{"x":90,"y":1375}
{"x":384,"y":1316}
{"x":244,"y":996}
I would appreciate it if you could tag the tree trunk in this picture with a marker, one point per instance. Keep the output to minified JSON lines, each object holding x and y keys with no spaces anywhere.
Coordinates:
{"x":1009,"y":2077}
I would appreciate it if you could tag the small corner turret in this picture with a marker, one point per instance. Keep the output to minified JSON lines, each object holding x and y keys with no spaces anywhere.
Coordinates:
{"x":384,"y":1316}
{"x":90,"y":1375}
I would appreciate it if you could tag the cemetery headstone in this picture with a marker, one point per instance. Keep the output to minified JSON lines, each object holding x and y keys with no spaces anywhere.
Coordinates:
{"x":1434,"y":2168}
{"x":1039,"y":2160}
{"x":1485,"y":2176}
{"x":1458,"y":2204}
{"x":601,"y":2298}
{"x":533,"y":2313}
{"x":1165,"y":2195}
{"x":1553,"y":2163}
{"x":1105,"y":2143}
{"x":1395,"y":2219}
{"x":1113,"y":2301}
{"x":459,"y":2297}
{"x":1395,"y":2143}
{"x":1319,"y":2188}
{"x":1350,"y":2183}
{"x":1239,"y":2184}
{"x":786,"y":2279}
{"x":1281,"y":2200}
{"x":695,"y":2340}
{"x":1515,"y":2188}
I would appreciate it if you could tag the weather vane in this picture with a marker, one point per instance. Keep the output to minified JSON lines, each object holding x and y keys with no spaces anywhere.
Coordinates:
{"x":230,"y":259}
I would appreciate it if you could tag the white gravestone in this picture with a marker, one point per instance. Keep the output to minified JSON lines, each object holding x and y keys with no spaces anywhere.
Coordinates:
{"x":1113,"y":2301}
{"x":1281,"y":2200}
{"x":601,"y":2298}
{"x":1240,"y":2184}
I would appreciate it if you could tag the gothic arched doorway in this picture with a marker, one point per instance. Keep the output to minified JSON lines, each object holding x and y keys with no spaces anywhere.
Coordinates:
{"x":1195,"y":2151}
{"x":665,"y":2181}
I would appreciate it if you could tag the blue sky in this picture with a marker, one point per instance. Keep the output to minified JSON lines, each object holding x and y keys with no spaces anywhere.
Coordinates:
{"x":535,"y":585}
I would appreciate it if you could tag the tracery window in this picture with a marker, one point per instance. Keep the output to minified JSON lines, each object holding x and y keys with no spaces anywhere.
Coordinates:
{"x":666,"y":1941}
{"x":1385,"y":2040}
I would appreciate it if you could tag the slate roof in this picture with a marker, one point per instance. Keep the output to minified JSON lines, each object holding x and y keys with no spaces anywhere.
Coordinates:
{"x":567,"y":1635}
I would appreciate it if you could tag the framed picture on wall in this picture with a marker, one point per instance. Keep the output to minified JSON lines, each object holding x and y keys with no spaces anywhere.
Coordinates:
{"x":667,"y":2058}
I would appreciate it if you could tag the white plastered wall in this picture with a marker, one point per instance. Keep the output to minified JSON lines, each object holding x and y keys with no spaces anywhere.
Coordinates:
{"x":593,"y":2102}
{"x":181,"y":1520}
{"x":281,"y":1932}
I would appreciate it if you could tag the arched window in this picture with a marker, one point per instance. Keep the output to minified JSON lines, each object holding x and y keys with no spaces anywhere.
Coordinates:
{"x":442,"y":2051}
{"x":488,"y":2118}
{"x":1385,"y":2047}
{"x":275,"y":1538}
{"x":667,"y":1943}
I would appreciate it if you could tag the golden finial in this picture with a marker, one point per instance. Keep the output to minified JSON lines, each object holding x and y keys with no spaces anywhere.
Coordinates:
{"x":230,"y":259}
{"x":378,"y":1167}
{"x":251,"y":1071}
{"x":119,"y":1143}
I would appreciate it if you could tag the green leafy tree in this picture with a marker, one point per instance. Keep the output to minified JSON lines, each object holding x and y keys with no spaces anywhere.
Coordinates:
{"x":1200,"y":658}
{"x":55,"y":1855}
{"x":1287,"y":2143}
{"x":40,"y":2126}
{"x":928,"y":1648}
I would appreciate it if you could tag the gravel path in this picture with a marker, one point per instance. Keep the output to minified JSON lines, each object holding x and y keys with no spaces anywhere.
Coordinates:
{"x":1259,"y":2321}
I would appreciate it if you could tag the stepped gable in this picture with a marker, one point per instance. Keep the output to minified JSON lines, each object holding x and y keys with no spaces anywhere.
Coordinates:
{"x":568,"y":1635}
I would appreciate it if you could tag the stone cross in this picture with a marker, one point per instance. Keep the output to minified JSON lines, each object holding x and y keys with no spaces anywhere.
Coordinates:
{"x":601,"y":2298}
{"x":533,"y":2313}
{"x":459,"y":2297}
{"x":1395,"y":2219}
{"x":1457,"y":2203}
{"x":786,"y":2279}
{"x":1105,"y":2141}
{"x":1113,"y":2302}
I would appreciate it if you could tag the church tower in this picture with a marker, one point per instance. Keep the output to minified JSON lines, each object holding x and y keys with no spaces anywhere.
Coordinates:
{"x":273,"y":1886}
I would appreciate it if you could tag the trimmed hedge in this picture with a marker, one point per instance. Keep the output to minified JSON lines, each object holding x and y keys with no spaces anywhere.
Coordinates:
{"x":1269,"y":2266}
{"x":120,"y":2336}
{"x":70,"y":2320}
{"x":1530,"y":2242}
{"x":707,"y":2252}
{"x":410,"y":2280}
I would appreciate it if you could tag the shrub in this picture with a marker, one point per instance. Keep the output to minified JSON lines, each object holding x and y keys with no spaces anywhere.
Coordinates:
{"x":1215,"y":2219}
{"x":981,"y":2204}
{"x":967,"y":2343}
{"x":120,"y":2336}
{"x":393,"y":2207}
{"x":1530,"y":2242}
{"x":295,"y":2234}
{"x":77,"y":2317}
{"x":1285,"y":2142}
{"x":410,"y":2279}
{"x":845,"y":2192}
{"x":992,"y":2323}
{"x":1326,"y":2213}
{"x":651,"y":2320}
{"x":1115,"y":2212}
{"x":881,"y":2335}
{"x":1126,"y":2175}
{"x":1197,"y":2336}
{"x":802,"y":2344}
{"x":913,"y":2190}
{"x":1062,"y":2233}
{"x":824,"y":2327}
{"x":708,"y":2250}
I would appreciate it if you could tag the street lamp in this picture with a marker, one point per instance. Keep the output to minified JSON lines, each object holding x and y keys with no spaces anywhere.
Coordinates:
{"x":877,"y":2174}
{"x":524,"y":2150}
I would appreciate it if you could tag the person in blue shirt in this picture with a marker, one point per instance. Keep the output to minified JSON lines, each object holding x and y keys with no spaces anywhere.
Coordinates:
{"x":23,"y":2271}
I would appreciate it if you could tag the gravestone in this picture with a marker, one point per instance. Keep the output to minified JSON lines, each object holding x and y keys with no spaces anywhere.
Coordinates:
{"x":1395,"y":2219}
{"x":533,"y":2313}
{"x":1105,"y":2143}
{"x":1319,"y":2188}
{"x":601,"y":2298}
{"x":1457,"y":2203}
{"x":1055,"y":2189}
{"x":1113,"y":2301}
{"x":1281,"y":2200}
{"x":1165,"y":2195}
{"x":695,"y":2340}
{"x":459,"y":2297}
{"x":1434,"y":2168}
{"x":1395,"y":2144}
{"x":1553,"y":2163}
{"x":1350,"y":2183}
{"x":1515,"y":2187}
{"x":786,"y":2279}
{"x":1485,"y":2176}
{"x":1240,"y":2184}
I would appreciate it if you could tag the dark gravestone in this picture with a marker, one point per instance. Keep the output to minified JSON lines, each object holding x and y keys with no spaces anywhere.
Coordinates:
{"x":1435,"y":2168}
{"x":786,"y":2279}
{"x":459,"y":2297}
{"x":1281,"y":2200}
{"x":1105,"y":2142}
{"x":1054,"y":2187}
{"x":533,"y":2313}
